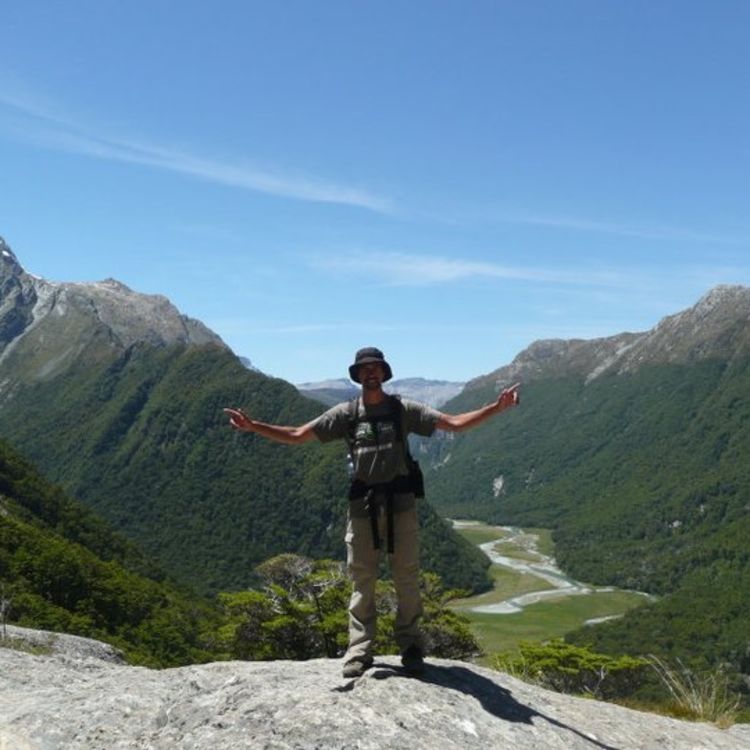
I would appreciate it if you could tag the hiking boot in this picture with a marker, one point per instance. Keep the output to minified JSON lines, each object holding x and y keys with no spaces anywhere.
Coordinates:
{"x":357,"y":666}
{"x":413,"y":660}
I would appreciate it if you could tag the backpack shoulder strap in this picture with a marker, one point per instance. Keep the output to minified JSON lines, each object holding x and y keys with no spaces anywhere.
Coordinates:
{"x":398,"y":408}
{"x":416,"y":479}
{"x":352,"y":416}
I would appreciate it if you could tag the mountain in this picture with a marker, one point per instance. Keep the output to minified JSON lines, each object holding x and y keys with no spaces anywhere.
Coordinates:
{"x":77,"y":697}
{"x":47,"y":327}
{"x":633,"y":448}
{"x":432,"y":392}
{"x":118,"y":397}
{"x":715,"y":328}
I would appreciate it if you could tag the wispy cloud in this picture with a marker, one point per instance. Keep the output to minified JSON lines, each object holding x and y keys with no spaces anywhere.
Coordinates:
{"x":669,"y":233}
{"x":401,"y":269}
{"x":30,"y":120}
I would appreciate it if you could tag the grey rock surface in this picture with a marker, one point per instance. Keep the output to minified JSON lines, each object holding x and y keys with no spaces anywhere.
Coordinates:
{"x":62,"y":644}
{"x":60,"y":701}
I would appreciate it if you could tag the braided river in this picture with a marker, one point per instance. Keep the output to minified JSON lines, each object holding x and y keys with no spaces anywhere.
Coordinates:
{"x":517,"y":550}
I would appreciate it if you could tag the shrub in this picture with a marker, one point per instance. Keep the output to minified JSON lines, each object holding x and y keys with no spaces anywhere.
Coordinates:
{"x":567,"y":668}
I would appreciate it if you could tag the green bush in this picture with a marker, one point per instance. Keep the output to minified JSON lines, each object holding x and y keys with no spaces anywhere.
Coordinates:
{"x":573,"y":669}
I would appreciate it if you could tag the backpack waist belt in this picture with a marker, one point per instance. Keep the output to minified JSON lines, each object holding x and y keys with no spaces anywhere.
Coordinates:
{"x":360,"y":489}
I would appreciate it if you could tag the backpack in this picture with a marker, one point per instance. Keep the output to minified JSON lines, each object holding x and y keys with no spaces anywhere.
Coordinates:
{"x":414,"y":482}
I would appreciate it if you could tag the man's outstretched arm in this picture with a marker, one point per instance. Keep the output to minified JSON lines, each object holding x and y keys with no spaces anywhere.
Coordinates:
{"x":288,"y":435}
{"x":458,"y":422}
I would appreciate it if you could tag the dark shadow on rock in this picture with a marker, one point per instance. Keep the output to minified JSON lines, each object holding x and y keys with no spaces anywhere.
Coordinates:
{"x":497,"y":700}
{"x":347,"y":687}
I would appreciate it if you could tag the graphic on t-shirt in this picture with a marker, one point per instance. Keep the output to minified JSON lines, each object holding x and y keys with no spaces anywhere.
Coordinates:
{"x":364,"y":432}
{"x":374,"y":437}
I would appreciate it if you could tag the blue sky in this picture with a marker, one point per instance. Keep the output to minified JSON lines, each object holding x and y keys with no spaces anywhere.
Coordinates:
{"x":449,"y":181}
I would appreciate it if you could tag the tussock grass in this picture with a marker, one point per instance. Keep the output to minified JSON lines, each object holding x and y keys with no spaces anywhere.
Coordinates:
{"x":701,"y":697}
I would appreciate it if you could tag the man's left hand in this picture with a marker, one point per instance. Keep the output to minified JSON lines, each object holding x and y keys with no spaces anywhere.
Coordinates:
{"x":509,"y":397}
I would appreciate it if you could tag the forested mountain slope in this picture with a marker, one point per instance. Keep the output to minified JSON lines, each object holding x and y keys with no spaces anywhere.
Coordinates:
{"x":118,"y":397}
{"x":63,"y":569}
{"x":635,"y":450}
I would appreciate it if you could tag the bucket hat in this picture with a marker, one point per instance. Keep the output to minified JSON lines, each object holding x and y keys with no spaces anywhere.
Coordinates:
{"x":363,"y":357}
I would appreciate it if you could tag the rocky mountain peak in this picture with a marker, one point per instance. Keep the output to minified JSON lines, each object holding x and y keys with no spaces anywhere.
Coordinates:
{"x":552,"y":358}
{"x":718,"y":325}
{"x":9,"y":265}
{"x":720,"y":305}
{"x":45,"y":326}
{"x":115,"y":285}
{"x":723,"y":294}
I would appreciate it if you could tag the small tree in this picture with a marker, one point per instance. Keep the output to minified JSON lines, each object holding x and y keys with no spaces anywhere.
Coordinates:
{"x":447,"y":632}
{"x":286,"y":570}
{"x":299,"y":614}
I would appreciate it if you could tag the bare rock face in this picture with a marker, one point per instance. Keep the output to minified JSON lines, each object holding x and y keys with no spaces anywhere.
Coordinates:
{"x":66,"y":702}
{"x":717,"y":326}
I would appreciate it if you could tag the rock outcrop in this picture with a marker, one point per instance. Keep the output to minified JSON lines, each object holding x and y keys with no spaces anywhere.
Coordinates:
{"x":64,"y":701}
{"x":72,"y":647}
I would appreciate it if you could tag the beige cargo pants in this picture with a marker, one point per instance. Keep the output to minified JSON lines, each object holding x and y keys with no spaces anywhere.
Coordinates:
{"x":362,"y":562}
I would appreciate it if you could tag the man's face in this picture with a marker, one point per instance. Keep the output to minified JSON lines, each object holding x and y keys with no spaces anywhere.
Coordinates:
{"x":371,"y":375}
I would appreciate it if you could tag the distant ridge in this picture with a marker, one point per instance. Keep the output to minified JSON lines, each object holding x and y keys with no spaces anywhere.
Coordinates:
{"x":432,"y":392}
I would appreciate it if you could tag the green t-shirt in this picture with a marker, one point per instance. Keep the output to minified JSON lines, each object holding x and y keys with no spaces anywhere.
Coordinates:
{"x":376,"y":452}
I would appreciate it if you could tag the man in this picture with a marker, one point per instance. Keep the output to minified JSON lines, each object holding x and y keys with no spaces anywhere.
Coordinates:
{"x":385,"y":482}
